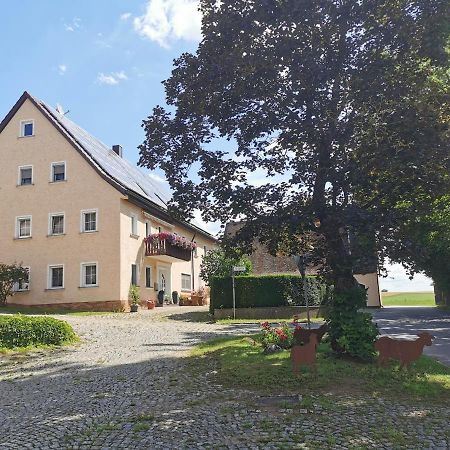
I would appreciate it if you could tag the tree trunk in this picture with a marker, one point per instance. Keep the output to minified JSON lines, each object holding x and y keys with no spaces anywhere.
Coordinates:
{"x":441,"y":294}
{"x":338,"y":256}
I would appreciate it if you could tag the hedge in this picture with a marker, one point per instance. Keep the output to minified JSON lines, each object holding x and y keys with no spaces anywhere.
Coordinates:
{"x":266,"y":290}
{"x":24,"y":331}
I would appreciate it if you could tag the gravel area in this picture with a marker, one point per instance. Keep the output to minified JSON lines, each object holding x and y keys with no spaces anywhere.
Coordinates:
{"x":128,"y":385}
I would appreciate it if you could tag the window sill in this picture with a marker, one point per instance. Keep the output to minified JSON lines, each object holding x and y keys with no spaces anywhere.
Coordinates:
{"x":24,"y":185}
{"x":88,"y":287}
{"x":57,"y":182}
{"x":22,"y":238}
{"x":22,"y":291}
{"x":134,"y":236}
{"x":24,"y":137}
{"x":56,"y":235}
{"x":54,"y":289}
{"x":186,"y":290}
{"x":88,"y":232}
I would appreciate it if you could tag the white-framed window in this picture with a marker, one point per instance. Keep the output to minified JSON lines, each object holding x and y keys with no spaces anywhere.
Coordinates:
{"x":23,"y":284}
{"x":58,"y":171}
{"x":25,"y":177}
{"x":26,"y":128}
{"x":89,"y":220}
{"x":185,"y":282}
{"x":148,"y":277}
{"x":56,"y":224}
{"x":147,"y":228}
{"x":134,"y":274}
{"x":56,"y":276}
{"x":89,"y":274}
{"x":23,"y":227}
{"x":134,"y":226}
{"x":205,"y":250}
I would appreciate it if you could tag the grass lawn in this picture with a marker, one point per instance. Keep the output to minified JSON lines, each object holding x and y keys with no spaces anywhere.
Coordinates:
{"x":240,"y":363}
{"x":408,"y":299}
{"x":29,"y":310}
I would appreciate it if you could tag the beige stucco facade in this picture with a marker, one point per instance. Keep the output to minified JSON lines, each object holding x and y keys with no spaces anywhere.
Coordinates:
{"x":112,"y":247}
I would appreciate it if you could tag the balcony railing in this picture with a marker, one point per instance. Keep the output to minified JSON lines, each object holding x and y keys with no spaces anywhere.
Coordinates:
{"x":162,"y":247}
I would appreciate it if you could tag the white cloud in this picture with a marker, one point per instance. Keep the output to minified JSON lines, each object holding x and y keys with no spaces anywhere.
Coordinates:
{"x":210,"y":227}
{"x":125,"y":16}
{"x":398,"y":280}
{"x":168,"y":20}
{"x":74,"y":25}
{"x":112,"y":78}
{"x":62,"y":69}
{"x":156,"y":177}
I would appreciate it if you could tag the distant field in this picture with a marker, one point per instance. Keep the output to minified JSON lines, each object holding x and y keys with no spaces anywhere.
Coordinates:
{"x":408,"y":299}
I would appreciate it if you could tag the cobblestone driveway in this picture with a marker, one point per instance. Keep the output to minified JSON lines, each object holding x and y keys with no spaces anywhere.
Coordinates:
{"x":126,"y":386}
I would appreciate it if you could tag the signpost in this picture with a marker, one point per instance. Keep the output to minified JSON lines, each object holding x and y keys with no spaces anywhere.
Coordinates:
{"x":236,"y":269}
{"x":300,"y":260}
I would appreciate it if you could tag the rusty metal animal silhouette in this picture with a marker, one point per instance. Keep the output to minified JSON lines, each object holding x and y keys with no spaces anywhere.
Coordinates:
{"x":302,"y":335}
{"x":304,"y":355}
{"x":402,"y":350}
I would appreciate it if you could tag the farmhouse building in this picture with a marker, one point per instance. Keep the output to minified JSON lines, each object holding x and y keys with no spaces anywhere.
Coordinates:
{"x":85,"y":222}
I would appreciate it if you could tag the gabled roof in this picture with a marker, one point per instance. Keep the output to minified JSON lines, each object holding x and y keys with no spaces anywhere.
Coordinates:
{"x":120,"y":173}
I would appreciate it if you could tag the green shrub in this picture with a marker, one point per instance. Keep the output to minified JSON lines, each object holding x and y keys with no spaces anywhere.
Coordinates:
{"x":351,"y":331}
{"x":24,"y":331}
{"x":265,"y":290}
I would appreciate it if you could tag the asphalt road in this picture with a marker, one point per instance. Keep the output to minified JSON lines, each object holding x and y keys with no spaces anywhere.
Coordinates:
{"x":408,"y":321}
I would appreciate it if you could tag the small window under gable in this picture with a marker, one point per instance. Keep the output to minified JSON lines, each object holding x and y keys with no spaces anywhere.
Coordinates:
{"x":58,"y":172}
{"x":26,"y":128}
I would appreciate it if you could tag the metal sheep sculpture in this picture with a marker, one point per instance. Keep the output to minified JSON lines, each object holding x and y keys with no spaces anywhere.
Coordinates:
{"x":402,"y":350}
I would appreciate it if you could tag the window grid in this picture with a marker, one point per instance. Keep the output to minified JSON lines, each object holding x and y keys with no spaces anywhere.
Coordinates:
{"x":185,"y":282}
{"x":24,"y":227}
{"x":24,"y":283}
{"x":56,"y":277}
{"x":89,"y":221}
{"x":89,"y":274}
{"x":148,"y":277}
{"x":57,"y":224}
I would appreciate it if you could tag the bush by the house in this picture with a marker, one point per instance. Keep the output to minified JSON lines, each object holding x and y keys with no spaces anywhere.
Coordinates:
{"x":24,"y":331}
{"x":265,"y":291}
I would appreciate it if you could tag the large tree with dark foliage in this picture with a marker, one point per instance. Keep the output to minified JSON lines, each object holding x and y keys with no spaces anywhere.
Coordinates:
{"x":344,"y":102}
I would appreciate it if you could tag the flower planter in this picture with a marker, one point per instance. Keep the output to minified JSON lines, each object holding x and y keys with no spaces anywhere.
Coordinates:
{"x":150,"y":304}
{"x":134,"y":308}
{"x":197,"y":300}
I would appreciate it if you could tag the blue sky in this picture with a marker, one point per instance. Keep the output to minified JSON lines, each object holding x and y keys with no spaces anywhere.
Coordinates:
{"x":104,"y":61}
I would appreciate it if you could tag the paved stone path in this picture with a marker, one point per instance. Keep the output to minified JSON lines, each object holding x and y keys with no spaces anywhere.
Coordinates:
{"x":127,"y":386}
{"x":408,"y":321}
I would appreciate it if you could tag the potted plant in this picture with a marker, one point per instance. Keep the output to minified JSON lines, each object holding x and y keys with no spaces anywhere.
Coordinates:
{"x":175,"y":297}
{"x":134,"y":297}
{"x":150,"y":304}
{"x":197,"y":297}
{"x":160,"y":298}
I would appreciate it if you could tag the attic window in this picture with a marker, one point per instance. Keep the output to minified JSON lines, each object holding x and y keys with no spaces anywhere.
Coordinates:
{"x":27,"y":128}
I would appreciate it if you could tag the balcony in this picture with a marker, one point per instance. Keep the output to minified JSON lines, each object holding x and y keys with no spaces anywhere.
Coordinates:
{"x":163,"y":247}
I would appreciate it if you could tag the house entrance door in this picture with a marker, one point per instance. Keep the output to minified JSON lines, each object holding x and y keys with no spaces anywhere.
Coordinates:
{"x":164,"y":281}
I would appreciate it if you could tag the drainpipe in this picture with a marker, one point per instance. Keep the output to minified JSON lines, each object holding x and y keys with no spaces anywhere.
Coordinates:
{"x":192,"y":265}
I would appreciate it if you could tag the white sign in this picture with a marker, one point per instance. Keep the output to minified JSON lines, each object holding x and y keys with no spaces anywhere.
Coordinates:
{"x":239,"y":269}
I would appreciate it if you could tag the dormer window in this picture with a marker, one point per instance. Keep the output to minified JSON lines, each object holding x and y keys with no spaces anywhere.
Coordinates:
{"x":26,"y":128}
{"x":58,"y":172}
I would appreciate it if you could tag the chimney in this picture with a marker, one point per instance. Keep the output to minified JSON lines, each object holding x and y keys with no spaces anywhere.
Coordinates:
{"x":117,"y":149}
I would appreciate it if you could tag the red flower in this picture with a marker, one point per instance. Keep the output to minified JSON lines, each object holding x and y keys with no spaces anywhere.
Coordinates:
{"x":265,"y":325}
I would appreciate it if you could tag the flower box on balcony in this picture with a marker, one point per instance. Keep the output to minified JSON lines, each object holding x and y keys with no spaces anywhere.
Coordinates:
{"x":168,"y":244}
